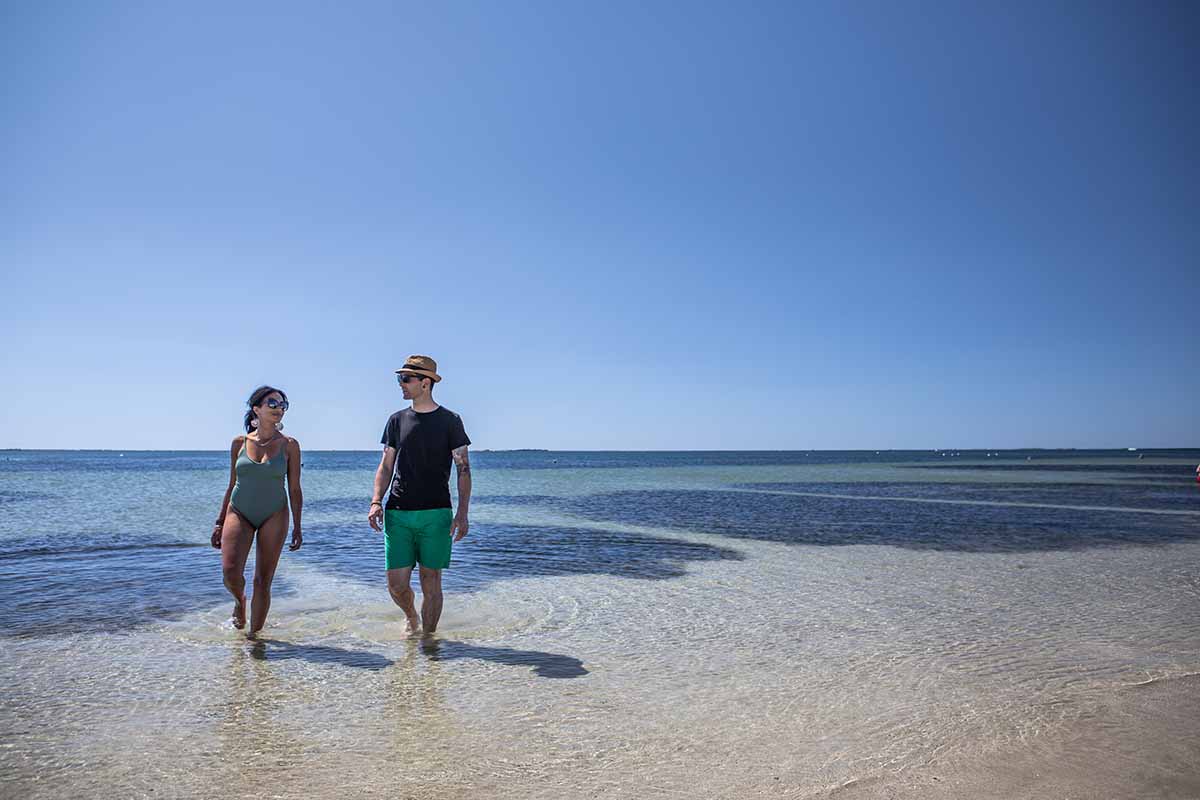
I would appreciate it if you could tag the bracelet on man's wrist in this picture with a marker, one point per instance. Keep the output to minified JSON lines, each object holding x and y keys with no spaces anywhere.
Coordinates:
{"x":376,"y":503}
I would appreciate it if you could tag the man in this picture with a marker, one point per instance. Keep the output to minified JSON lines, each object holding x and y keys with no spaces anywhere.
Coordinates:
{"x":418,"y":446}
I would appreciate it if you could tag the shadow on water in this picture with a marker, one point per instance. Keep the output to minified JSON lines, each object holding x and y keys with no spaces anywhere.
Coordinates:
{"x":501,"y":551}
{"x":46,"y":590}
{"x":1134,"y":470}
{"x":7,"y":496}
{"x":545,"y":665}
{"x":278,"y":650}
{"x":130,"y":585}
{"x":1098,"y":496}
{"x":866,"y":517}
{"x":51,"y":585}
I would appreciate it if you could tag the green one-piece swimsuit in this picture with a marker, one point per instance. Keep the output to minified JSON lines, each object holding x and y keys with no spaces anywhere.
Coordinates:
{"x":258,"y":493}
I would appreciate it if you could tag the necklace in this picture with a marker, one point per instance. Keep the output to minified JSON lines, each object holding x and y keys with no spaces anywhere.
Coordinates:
{"x":267,"y":442}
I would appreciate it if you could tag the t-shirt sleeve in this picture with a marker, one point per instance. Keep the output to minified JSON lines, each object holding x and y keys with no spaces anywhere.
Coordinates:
{"x":458,"y":434}
{"x":391,"y":437}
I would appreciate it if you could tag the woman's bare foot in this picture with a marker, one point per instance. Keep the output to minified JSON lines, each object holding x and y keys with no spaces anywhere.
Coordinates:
{"x":239,"y":613}
{"x":412,"y":627}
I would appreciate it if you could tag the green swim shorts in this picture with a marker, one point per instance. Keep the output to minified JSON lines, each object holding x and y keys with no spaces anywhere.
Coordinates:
{"x":412,"y":536}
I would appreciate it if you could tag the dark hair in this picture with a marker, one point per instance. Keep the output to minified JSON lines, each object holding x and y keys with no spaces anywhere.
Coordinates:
{"x":256,"y":399}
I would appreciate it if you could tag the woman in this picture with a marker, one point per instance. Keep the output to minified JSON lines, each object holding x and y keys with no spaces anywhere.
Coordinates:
{"x":256,"y":502}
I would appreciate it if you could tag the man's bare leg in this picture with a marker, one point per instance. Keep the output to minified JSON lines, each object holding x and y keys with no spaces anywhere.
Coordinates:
{"x":398,"y":581}
{"x":431,"y":598}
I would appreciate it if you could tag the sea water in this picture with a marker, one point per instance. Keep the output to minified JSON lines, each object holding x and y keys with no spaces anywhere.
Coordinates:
{"x":662,"y":624}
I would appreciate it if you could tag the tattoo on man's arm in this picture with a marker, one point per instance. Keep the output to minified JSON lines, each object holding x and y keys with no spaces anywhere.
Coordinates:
{"x":462,"y":461}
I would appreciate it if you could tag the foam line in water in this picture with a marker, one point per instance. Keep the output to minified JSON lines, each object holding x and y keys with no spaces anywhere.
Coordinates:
{"x":1157,"y":679}
{"x":526,"y":516}
{"x":1002,"y":503}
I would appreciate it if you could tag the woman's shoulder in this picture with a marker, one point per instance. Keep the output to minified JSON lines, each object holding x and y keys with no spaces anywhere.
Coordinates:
{"x":238,"y":441}
{"x":292,"y":443}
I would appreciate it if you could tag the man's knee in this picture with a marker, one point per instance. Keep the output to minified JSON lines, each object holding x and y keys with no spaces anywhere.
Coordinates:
{"x":398,"y":583}
{"x":431,"y":580}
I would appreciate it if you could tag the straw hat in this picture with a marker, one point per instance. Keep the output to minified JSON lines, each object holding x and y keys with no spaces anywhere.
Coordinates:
{"x":424,"y":366}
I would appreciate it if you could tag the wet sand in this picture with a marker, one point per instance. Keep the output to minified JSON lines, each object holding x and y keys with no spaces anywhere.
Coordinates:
{"x":1144,"y":743}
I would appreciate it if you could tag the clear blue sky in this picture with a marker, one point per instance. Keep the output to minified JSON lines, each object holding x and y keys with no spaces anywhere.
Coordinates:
{"x":616,"y":225}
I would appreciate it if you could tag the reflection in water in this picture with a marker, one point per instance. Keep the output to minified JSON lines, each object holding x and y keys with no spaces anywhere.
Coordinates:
{"x":416,"y":732}
{"x":414,"y":690}
{"x":546,"y":665}
{"x":249,"y":733}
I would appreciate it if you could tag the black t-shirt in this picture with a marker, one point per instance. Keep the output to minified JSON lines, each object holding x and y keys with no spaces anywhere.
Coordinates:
{"x":423,"y":442}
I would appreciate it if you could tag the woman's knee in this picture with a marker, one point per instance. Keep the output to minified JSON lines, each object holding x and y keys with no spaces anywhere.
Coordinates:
{"x":262,"y":580}
{"x":233,"y":577}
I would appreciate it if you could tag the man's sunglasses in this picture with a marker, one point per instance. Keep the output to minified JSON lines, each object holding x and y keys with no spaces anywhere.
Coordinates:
{"x":407,"y":378}
{"x":272,"y":403}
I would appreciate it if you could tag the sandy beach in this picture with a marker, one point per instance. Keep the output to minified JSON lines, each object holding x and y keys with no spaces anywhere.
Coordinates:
{"x":1142,"y":743}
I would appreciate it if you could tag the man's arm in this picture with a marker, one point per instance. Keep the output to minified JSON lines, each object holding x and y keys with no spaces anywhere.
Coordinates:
{"x":462,"y":463}
{"x":383,"y":477}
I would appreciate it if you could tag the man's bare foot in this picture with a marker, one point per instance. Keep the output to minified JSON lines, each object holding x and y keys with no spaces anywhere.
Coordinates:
{"x":412,"y":626}
{"x":239,"y":613}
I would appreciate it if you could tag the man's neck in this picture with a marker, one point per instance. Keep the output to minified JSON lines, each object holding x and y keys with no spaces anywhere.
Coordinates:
{"x":424,"y":405}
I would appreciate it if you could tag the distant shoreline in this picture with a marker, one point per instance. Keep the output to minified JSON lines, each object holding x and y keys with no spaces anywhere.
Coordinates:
{"x":1122,"y":451}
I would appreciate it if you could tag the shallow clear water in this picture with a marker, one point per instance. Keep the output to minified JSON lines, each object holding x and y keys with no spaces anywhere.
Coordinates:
{"x":614,"y":622}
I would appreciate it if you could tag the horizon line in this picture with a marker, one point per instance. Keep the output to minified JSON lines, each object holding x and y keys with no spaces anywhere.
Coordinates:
{"x":550,"y":450}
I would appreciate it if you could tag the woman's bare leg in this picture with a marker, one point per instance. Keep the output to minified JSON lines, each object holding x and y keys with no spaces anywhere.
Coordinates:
{"x":236,"y":538}
{"x":270,"y":544}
